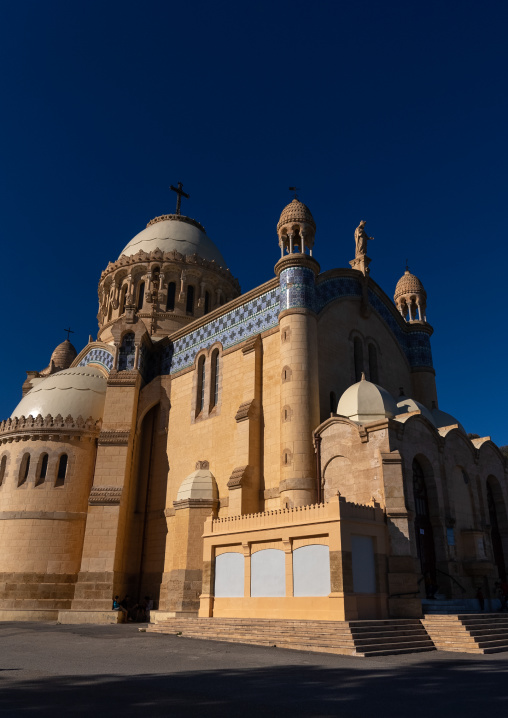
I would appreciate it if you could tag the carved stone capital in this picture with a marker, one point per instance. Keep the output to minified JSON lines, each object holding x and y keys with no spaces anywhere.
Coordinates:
{"x":247,"y":410}
{"x":239,"y":478}
{"x":114,"y":438}
{"x":202,"y":465}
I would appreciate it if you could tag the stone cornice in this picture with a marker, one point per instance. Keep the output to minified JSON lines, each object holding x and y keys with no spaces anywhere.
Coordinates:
{"x":105,"y":496}
{"x":196,"y":504}
{"x":43,"y":515}
{"x":114,"y":438}
{"x":185,"y":260}
{"x":40,"y":428}
{"x":297,"y":260}
{"x":124,"y":378}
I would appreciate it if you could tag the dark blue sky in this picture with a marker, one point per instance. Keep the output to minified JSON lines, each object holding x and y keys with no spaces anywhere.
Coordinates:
{"x":393,"y":112}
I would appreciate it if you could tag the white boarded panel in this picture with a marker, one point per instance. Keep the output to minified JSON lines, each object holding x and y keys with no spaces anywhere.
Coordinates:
{"x":311,"y":571}
{"x":268,"y":573}
{"x":229,"y":575}
{"x":364,"y":567}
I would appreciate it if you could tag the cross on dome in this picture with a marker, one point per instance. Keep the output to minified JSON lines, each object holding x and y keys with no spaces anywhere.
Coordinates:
{"x":180,"y":193}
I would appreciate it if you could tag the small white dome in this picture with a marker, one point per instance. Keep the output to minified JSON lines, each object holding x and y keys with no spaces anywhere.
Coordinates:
{"x":441,"y":418}
{"x":78,"y":391}
{"x":406,"y":405}
{"x":175,"y":232}
{"x":366,"y":401}
{"x":198,"y":485}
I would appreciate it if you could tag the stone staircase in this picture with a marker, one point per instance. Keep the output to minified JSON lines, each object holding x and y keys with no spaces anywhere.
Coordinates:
{"x":468,"y":633}
{"x":353,"y":638}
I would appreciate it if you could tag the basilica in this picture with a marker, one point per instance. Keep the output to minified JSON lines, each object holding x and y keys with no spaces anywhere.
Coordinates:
{"x":279,"y":453}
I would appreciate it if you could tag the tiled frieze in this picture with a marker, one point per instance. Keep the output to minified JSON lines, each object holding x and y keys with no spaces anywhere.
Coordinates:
{"x":236,"y":326}
{"x":297,"y":288}
{"x":98,"y":356}
{"x":416,"y":345}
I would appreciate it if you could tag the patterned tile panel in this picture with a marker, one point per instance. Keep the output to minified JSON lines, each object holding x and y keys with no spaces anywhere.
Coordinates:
{"x":98,"y":356}
{"x":415,"y":345}
{"x":297,"y":288}
{"x":235,"y":326}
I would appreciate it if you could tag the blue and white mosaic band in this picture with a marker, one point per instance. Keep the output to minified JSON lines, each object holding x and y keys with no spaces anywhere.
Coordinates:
{"x":98,"y":356}
{"x":297,"y":289}
{"x":251,"y":318}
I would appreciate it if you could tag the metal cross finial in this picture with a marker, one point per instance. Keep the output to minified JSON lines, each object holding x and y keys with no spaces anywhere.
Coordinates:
{"x":179,"y":191}
{"x":295,"y":190}
{"x":69,"y":331}
{"x":407,"y":265}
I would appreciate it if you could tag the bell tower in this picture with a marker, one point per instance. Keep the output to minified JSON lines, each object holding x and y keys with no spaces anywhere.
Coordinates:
{"x":299,"y":398}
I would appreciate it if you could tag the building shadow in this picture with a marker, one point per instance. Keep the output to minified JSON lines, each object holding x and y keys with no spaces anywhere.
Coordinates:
{"x":455,"y":687}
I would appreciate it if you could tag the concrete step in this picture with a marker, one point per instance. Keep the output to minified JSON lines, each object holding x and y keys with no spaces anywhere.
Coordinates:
{"x":374,"y":637}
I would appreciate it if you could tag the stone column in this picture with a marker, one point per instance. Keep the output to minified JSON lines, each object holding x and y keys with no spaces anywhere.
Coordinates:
{"x":245,"y":480}
{"x":299,"y":397}
{"x":105,"y":569}
{"x":403,"y":568}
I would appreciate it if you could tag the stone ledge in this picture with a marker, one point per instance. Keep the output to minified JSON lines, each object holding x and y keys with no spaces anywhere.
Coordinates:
{"x":16,"y":614}
{"x":95,"y":617}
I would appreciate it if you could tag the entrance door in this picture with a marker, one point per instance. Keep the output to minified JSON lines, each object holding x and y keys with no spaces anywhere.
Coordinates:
{"x":423,"y":531}
{"x":497,"y":544}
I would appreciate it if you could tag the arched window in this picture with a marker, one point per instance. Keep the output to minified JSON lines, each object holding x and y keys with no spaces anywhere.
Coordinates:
{"x":190,"y":299}
{"x":42,"y":470}
{"x":333,"y":402}
{"x":24,"y":469}
{"x":141,"y":295}
{"x":358,"y":352}
{"x":3,"y":465}
{"x":122,"y":299}
{"x":373,"y":365}
{"x":127,"y":352}
{"x":62,"y":470}
{"x":214,"y":384}
{"x":200,"y":397}
{"x":207,"y":302}
{"x":170,"y":304}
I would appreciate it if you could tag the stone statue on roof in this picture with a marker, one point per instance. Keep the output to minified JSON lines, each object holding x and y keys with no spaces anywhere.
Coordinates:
{"x":361,"y":239}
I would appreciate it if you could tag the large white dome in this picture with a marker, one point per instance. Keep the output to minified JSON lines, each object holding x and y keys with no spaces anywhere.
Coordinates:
{"x":79,"y":391}
{"x":175,"y":232}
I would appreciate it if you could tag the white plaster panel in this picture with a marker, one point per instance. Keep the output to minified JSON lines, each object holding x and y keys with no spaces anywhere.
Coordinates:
{"x":229,"y":575}
{"x":268,"y":573}
{"x":364,"y":567}
{"x":311,"y":571}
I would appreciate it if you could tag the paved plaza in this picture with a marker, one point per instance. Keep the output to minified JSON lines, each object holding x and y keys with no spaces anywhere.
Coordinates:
{"x":59,"y":671}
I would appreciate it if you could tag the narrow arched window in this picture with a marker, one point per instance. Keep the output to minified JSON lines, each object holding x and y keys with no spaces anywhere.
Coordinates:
{"x":122,"y":299}
{"x":190,"y":299}
{"x":62,"y":470}
{"x":358,"y":352}
{"x":214,"y":384}
{"x":333,"y":402}
{"x":207,"y":302}
{"x":3,"y":465}
{"x":200,"y":397}
{"x":24,"y":469}
{"x":373,"y":365}
{"x":170,"y":304}
{"x":141,"y":295}
{"x":42,"y":470}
